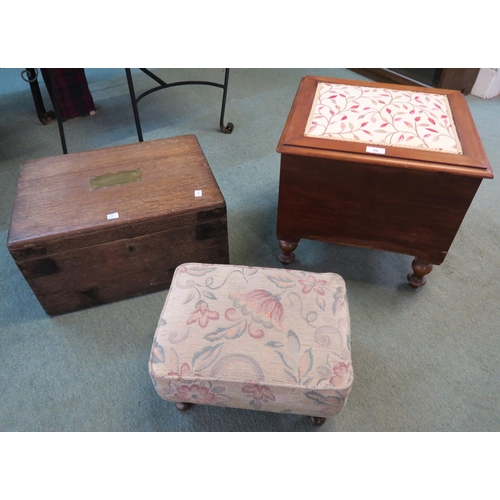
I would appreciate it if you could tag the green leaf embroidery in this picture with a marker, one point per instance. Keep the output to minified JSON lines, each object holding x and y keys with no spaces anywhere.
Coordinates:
{"x":275,"y":343}
{"x":292,"y":376}
{"x":230,"y":332}
{"x":321,"y":302}
{"x":158,"y":354}
{"x":306,"y":363}
{"x":189,"y":298}
{"x":293,"y":342}
{"x":281,"y":282}
{"x":204,"y":358}
{"x":284,"y":361}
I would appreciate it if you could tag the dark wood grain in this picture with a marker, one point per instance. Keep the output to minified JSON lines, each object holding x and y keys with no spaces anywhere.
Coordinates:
{"x":398,"y":210}
{"x":73,"y":257}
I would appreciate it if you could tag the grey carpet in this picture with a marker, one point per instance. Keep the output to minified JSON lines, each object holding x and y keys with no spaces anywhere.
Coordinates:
{"x":424,"y":360}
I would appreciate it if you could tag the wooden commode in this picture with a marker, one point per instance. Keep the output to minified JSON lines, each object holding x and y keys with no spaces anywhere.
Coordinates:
{"x":99,"y":226}
{"x":381,"y":166}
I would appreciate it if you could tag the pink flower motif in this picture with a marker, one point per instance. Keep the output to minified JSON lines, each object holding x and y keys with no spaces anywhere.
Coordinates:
{"x":259,"y":392}
{"x":341,"y":374}
{"x":202,"y":314}
{"x":232,"y":314}
{"x":256,"y":334}
{"x":312,"y":284}
{"x":262,"y":306}
{"x":184,"y":371}
{"x":195,"y":393}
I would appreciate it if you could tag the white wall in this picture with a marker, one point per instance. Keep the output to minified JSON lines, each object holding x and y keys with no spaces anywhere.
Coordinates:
{"x":487,"y":83}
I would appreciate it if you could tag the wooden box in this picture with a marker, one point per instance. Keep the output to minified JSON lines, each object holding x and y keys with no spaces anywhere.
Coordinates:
{"x":99,"y":226}
{"x":381,"y":166}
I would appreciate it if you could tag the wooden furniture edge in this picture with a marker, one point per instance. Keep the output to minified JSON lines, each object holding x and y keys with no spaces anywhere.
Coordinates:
{"x":473,"y":162}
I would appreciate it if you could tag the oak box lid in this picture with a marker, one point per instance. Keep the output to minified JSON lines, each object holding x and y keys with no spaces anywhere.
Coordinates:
{"x":111,"y":189}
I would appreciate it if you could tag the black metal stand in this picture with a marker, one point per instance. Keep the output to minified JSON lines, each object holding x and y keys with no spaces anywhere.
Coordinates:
{"x":57,"y":109}
{"x":30,"y":75}
{"x":227,"y":129}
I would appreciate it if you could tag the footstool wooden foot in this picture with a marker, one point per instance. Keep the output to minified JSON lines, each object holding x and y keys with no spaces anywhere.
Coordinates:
{"x":420,"y":270}
{"x":318,"y":421}
{"x":255,"y":338}
{"x":183,"y":406}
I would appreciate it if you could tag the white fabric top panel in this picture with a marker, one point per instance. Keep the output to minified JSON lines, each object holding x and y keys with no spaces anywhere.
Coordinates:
{"x":385,"y":117}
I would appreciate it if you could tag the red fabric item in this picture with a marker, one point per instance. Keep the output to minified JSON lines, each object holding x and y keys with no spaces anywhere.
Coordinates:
{"x":75,"y":98}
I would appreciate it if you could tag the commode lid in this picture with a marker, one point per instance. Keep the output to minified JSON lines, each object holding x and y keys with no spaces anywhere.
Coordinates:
{"x":430,"y":127}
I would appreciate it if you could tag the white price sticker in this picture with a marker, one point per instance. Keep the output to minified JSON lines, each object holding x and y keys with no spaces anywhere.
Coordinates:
{"x":198,"y":193}
{"x":377,"y":151}
{"x":113,"y":216}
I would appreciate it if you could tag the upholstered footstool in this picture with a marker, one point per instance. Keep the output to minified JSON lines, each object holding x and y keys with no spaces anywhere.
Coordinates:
{"x":256,"y":338}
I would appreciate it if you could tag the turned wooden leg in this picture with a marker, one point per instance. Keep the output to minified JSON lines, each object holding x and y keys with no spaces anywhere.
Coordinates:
{"x":420,"y":269}
{"x":286,"y":255}
{"x":182,"y":406}
{"x":317,"y":421}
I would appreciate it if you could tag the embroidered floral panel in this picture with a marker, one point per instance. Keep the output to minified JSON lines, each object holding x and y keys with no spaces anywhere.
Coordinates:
{"x":383,"y":117}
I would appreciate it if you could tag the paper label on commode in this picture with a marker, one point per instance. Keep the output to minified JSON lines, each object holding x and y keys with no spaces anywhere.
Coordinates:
{"x":113,"y":216}
{"x":198,"y":193}
{"x":377,"y":151}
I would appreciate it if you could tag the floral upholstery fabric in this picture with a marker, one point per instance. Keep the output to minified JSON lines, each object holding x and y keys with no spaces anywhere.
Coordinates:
{"x":255,"y":338}
{"x":384,"y":117}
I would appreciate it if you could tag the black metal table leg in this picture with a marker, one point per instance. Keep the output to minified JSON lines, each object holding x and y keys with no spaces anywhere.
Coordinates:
{"x":55,"y":93}
{"x":227,"y":129}
{"x":30,"y":75}
{"x":134,"y":104}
